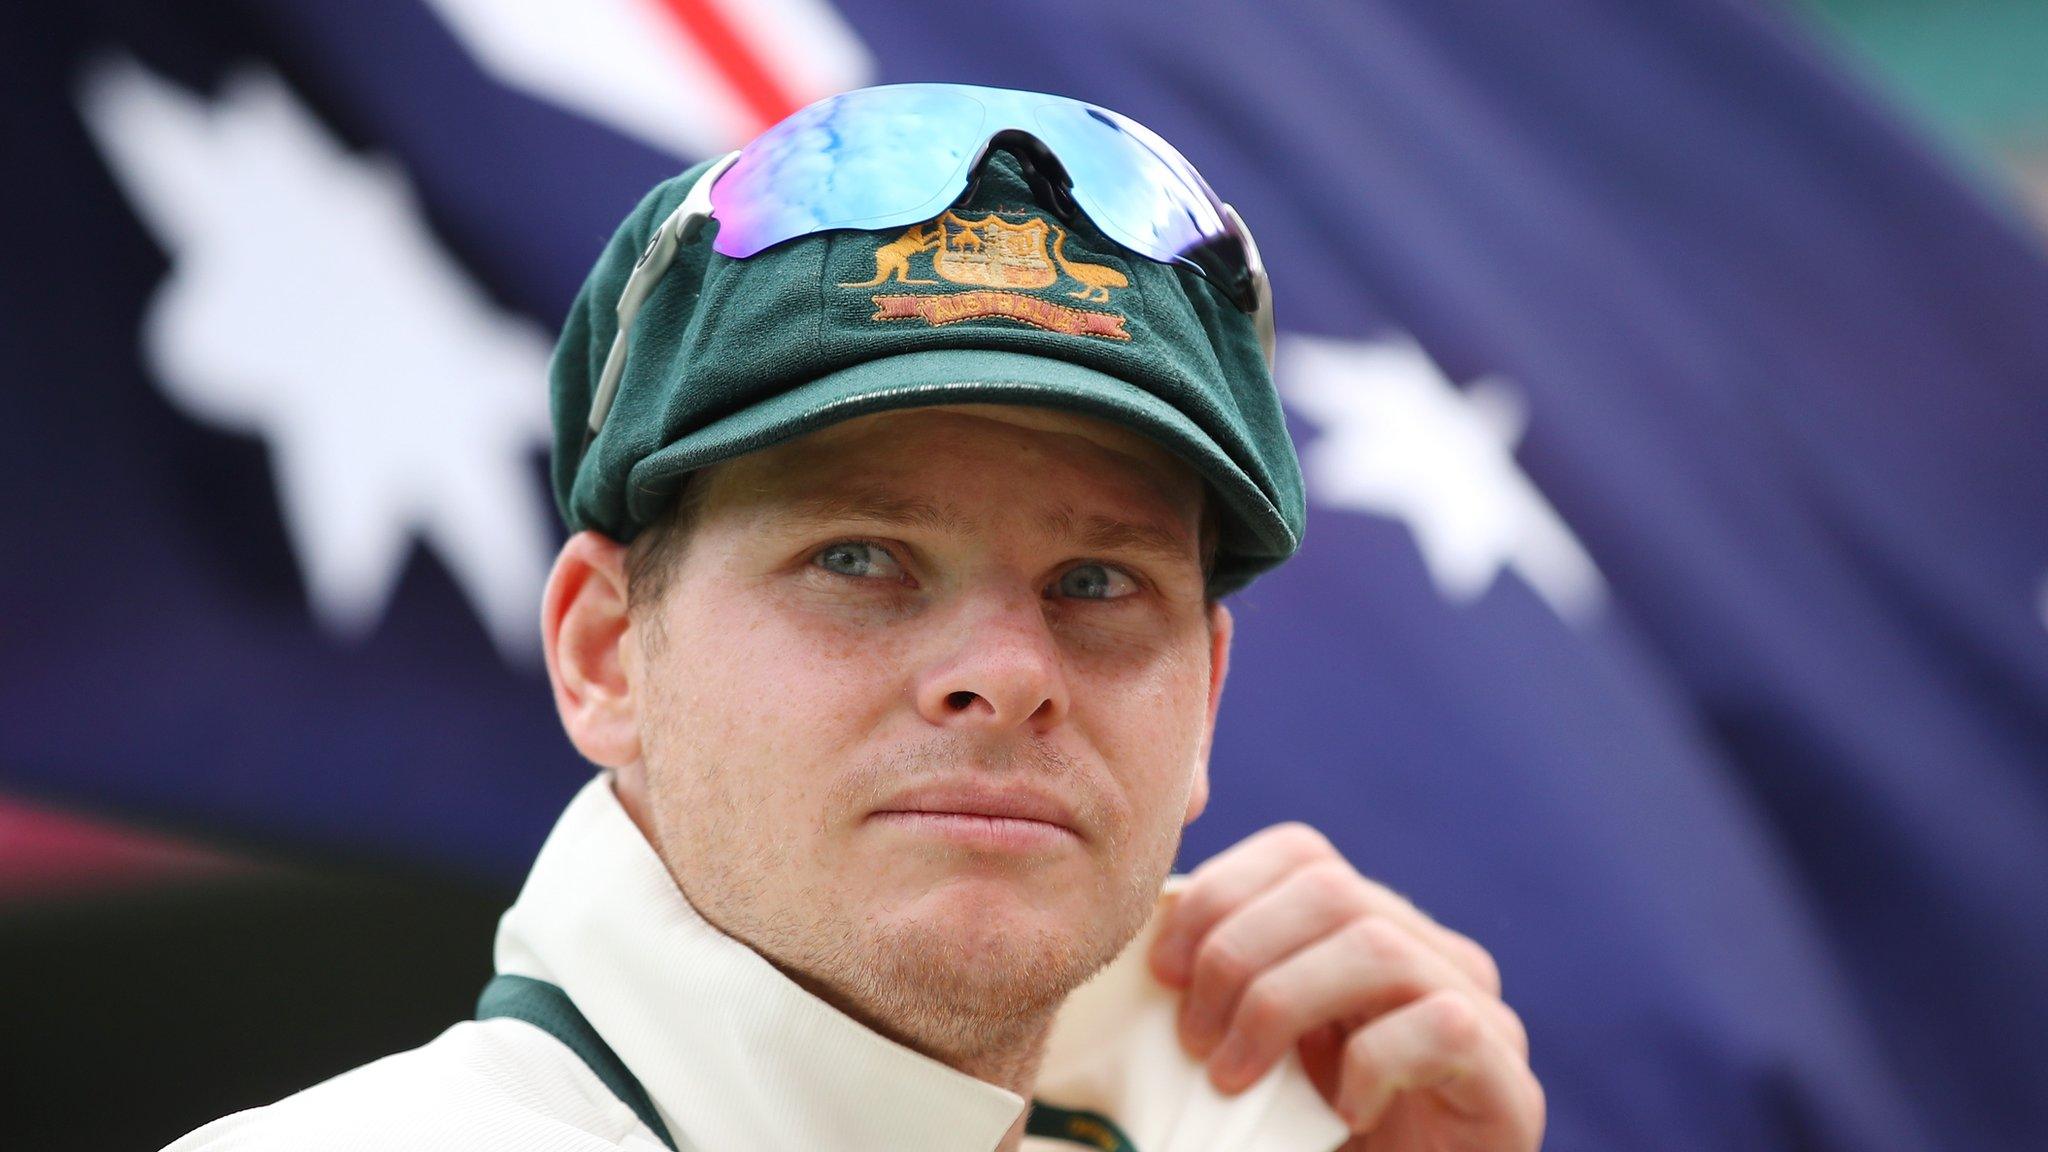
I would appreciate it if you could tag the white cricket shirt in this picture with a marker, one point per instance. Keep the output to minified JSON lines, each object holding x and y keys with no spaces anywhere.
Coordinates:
{"x":736,"y":1057}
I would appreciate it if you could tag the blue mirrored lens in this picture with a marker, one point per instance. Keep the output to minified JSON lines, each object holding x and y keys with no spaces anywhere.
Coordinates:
{"x":874,"y":158}
{"x":1132,"y":184}
{"x":892,"y":156}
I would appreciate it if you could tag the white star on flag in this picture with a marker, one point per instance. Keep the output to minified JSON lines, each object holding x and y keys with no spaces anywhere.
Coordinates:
{"x":309,"y":304}
{"x":1400,"y":440}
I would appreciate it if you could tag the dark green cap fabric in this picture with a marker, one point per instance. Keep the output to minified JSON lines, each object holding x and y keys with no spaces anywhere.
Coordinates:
{"x":996,"y":301}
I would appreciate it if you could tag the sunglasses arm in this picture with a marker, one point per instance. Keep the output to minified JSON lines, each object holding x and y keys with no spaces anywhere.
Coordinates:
{"x":679,"y":229}
{"x":1262,"y":289}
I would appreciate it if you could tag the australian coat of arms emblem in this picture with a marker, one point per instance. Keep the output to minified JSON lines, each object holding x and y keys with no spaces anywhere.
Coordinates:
{"x":999,"y":257}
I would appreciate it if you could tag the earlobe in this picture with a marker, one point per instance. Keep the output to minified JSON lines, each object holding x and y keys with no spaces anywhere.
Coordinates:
{"x":587,"y":637}
{"x":1221,"y":628}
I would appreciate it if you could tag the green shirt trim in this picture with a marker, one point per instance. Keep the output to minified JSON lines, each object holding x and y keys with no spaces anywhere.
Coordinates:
{"x":548,"y":1008}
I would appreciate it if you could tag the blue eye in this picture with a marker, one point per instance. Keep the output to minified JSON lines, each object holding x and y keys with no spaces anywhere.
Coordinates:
{"x":1096,"y":582}
{"x":854,"y":558}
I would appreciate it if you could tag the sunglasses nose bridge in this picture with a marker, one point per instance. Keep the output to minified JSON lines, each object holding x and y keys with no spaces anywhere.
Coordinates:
{"x":1040,"y":165}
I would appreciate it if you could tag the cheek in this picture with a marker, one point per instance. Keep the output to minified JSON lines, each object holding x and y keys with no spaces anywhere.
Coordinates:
{"x":1145,"y":715}
{"x":743,"y":688}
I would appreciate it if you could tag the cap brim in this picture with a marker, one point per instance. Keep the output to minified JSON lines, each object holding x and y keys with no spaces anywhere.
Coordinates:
{"x":1255,"y":536}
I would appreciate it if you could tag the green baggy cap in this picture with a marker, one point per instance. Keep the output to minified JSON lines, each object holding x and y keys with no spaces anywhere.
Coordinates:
{"x":995,"y":301}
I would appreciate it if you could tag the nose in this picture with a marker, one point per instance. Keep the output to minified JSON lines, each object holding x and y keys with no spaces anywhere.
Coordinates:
{"x":999,"y":669}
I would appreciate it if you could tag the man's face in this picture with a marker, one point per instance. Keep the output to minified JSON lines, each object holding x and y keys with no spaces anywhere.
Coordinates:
{"x":926,"y":703}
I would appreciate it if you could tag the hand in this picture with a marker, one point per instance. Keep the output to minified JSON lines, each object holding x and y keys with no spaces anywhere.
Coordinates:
{"x":1278,"y":942}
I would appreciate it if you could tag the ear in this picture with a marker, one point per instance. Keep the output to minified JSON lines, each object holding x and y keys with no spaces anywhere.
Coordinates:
{"x":1221,"y":628}
{"x":592,"y":653}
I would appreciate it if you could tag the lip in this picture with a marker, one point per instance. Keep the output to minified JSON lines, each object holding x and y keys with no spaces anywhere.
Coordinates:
{"x":982,"y":812}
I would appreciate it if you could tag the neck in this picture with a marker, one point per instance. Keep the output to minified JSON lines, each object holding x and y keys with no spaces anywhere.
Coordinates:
{"x":1011,"y":1064}
{"x":1004,"y":1052}
{"x":1008,"y":1061}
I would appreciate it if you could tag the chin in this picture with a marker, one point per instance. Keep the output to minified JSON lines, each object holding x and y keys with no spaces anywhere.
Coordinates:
{"x":989,"y":963}
{"x":939,"y":948}
{"x":994,"y":940}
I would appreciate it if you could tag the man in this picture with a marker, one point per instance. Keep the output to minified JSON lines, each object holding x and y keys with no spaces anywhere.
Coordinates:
{"x":891,"y":614}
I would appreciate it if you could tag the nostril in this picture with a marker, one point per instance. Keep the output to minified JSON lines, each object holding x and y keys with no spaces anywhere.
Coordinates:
{"x":960,"y":701}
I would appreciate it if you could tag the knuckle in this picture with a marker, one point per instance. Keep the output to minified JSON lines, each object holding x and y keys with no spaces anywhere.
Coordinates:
{"x":1386,"y":944}
{"x":1361,"y":1066}
{"x":1529,"y":1109}
{"x":1402,"y":899}
{"x":1332,"y":883}
{"x":1539,"y":1111}
{"x":1264,"y":1007}
{"x":1518,"y":1032}
{"x":1220,"y":962}
{"x":1452,"y":1019}
{"x":1485,"y":969}
{"x":1391,"y":957}
{"x":1197,"y":907}
{"x":1301,"y":841}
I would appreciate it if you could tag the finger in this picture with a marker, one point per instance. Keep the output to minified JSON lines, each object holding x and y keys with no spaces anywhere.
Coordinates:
{"x":1369,"y":967}
{"x":1228,"y":881}
{"x":1237,"y":875}
{"x":1439,"y":1046}
{"x":1303,"y":907}
{"x":1461,"y":950}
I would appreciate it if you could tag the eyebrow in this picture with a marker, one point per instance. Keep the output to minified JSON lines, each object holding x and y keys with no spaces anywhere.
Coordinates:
{"x":1093,"y":532}
{"x":875,"y":506}
{"x":1098,"y":533}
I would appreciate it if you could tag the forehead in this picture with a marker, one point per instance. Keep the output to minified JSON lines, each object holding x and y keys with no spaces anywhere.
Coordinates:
{"x":1012,"y":454}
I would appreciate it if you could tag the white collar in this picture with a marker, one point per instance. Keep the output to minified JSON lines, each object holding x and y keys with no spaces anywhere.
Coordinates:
{"x":737,"y":1057}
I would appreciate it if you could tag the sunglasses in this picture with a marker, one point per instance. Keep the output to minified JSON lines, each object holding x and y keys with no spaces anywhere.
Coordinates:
{"x":880,"y":158}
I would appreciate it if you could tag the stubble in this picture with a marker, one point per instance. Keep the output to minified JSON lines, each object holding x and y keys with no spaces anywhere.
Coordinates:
{"x":977,"y":993}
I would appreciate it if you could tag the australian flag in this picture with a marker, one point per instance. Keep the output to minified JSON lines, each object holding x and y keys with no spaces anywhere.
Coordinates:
{"x":1674,"y":612}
